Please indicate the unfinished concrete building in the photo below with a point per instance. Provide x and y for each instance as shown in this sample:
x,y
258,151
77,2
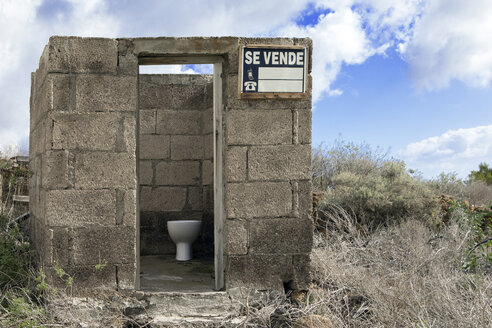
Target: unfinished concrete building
x,y
117,154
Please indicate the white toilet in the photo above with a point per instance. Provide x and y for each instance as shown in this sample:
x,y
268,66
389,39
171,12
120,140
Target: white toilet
x,y
184,233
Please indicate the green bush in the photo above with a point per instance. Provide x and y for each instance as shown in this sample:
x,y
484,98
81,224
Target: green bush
x,y
14,255
384,195
378,190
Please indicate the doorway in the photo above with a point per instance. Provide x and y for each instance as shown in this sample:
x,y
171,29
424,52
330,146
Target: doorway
x,y
179,165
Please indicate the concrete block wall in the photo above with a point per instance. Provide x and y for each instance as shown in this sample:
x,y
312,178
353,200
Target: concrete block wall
x,y
83,151
83,155
175,158
268,184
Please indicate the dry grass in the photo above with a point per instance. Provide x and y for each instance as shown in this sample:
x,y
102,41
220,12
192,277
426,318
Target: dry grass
x,y
401,276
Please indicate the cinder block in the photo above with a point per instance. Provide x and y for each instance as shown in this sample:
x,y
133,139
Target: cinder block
x,y
258,199
56,170
85,278
177,173
147,121
259,127
208,146
301,267
127,60
146,173
208,198
178,122
195,198
281,162
174,92
60,247
186,147
261,272
128,141
126,276
235,164
52,95
162,198
305,199
81,55
37,139
281,236
99,93
154,146
74,208
207,172
236,237
304,126
99,245
208,121
95,170
96,131
130,208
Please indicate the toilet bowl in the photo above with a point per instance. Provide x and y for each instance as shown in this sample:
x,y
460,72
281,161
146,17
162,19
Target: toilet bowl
x,y
184,233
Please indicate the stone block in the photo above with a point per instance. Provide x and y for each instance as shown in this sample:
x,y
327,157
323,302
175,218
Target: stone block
x,y
81,55
96,170
208,198
195,198
258,199
52,95
207,172
130,208
162,198
60,247
186,147
305,199
154,146
301,267
37,139
74,208
261,272
174,92
85,278
281,162
235,164
147,121
208,146
99,245
127,60
96,131
99,93
208,121
281,236
259,127
177,173
126,276
178,122
236,239
128,141
304,126
57,170
146,173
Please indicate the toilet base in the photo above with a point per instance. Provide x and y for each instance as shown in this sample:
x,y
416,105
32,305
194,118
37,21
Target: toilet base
x,y
183,252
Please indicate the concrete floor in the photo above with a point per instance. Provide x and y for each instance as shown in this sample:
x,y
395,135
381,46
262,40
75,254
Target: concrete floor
x,y
164,274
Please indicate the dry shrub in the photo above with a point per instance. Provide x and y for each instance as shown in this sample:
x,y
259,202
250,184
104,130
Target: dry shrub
x,y
383,196
398,276
475,192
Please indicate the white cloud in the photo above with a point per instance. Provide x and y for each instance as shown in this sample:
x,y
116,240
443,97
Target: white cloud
x,y
451,40
455,150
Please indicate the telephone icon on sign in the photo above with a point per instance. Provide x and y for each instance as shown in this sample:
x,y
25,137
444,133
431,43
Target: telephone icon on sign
x,y
250,86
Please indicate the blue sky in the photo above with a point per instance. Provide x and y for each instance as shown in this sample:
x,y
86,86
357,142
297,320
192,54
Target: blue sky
x,y
412,76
